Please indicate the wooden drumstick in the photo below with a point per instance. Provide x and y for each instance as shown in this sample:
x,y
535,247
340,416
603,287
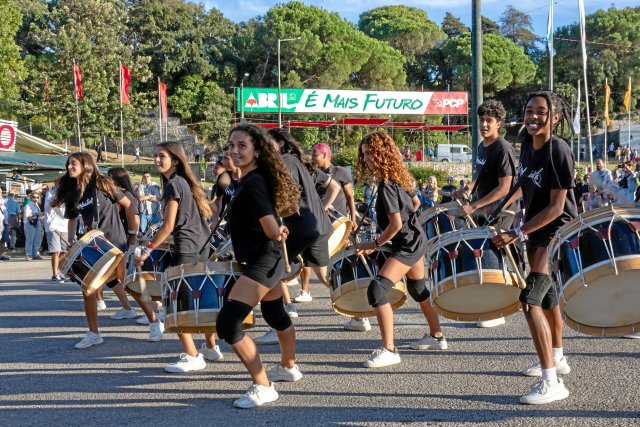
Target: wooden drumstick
x,y
287,266
64,239
468,217
521,282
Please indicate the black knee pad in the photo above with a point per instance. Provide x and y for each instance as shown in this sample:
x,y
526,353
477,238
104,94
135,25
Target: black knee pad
x,y
417,289
229,323
275,315
378,290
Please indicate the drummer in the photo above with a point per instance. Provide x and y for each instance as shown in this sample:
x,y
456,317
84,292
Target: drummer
x,y
496,165
344,203
378,156
546,172
86,192
185,212
266,191
226,185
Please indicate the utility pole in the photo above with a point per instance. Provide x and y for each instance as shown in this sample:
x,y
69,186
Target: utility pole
x,y
476,79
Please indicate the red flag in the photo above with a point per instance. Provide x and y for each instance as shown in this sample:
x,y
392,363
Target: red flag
x,y
77,82
162,88
125,80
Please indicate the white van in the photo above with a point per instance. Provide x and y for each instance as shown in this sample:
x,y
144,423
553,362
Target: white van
x,y
453,153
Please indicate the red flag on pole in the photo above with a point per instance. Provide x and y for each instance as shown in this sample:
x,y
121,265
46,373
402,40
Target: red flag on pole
x,y
77,82
124,85
162,88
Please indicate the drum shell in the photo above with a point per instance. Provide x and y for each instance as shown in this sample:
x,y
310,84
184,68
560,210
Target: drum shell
x,y
195,309
91,261
152,272
460,290
349,280
599,293
441,219
342,227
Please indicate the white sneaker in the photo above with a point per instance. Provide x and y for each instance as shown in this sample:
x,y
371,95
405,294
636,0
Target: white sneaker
x,y
155,331
303,297
490,323
634,336
101,305
144,320
90,339
382,357
562,368
280,373
124,314
270,337
256,395
361,325
212,354
545,391
291,310
293,282
186,363
427,342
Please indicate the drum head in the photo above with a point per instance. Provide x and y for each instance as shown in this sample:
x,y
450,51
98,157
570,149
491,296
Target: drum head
x,y
351,298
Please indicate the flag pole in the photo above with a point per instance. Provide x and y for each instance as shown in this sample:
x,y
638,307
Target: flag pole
x,y
75,93
121,118
159,111
629,119
550,44
583,38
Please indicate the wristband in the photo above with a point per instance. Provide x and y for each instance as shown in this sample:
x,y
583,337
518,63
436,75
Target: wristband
x,y
520,234
376,242
152,246
133,232
146,250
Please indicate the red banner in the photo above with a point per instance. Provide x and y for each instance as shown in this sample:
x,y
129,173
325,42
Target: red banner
x,y
77,82
125,80
162,89
447,103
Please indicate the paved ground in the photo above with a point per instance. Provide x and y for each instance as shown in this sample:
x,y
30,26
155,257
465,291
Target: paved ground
x,y
45,381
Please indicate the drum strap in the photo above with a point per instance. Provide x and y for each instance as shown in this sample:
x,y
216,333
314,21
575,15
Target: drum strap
x,y
96,209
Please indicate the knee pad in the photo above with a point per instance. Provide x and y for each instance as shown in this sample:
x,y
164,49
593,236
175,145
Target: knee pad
x,y
378,290
229,323
275,315
417,289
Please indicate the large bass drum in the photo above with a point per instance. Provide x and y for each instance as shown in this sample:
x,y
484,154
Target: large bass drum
x,y
595,259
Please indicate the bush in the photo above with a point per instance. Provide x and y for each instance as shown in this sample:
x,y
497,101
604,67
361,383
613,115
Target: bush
x,y
347,156
422,174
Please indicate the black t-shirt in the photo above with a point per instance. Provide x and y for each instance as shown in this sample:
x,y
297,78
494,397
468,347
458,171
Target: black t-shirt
x,y
448,189
123,213
495,161
253,200
106,216
225,189
321,181
343,177
190,231
392,198
311,220
543,174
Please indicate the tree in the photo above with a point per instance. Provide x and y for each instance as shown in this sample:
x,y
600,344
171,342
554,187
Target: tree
x,y
489,26
453,27
331,52
12,69
517,27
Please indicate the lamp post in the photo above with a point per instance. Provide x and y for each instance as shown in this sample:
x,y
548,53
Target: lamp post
x,y
242,97
279,86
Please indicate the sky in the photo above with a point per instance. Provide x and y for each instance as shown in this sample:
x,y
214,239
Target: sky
x,y
565,11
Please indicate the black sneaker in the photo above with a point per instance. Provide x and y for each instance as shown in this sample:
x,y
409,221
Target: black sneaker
x,y
57,278
4,258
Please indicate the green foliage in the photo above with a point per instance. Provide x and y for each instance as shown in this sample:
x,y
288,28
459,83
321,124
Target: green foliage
x,y
347,156
489,26
453,27
12,69
516,26
422,174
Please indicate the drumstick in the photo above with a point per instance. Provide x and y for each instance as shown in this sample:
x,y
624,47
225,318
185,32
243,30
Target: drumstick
x,y
521,282
64,239
356,239
472,223
287,266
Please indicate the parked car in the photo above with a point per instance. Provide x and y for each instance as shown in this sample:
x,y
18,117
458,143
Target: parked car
x,y
453,153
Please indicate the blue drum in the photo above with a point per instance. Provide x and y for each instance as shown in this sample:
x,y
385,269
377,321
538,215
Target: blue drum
x,y
148,280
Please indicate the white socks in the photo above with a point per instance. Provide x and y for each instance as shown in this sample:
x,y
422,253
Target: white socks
x,y
550,375
557,353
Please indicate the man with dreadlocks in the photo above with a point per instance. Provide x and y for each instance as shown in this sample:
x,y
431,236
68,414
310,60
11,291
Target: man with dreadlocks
x,y
546,178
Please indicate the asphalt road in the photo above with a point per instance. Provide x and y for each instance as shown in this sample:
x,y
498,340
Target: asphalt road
x,y
45,381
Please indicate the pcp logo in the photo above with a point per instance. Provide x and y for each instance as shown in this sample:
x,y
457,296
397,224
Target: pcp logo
x,y
448,103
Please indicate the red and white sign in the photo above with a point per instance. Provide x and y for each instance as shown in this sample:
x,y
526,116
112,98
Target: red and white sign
x,y
8,135
447,103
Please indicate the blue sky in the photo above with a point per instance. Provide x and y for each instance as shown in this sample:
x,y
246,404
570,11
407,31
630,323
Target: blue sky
x,y
566,11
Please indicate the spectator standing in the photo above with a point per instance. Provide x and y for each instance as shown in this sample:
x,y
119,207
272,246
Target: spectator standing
x,y
612,150
54,223
138,153
13,214
149,196
4,228
447,191
430,192
32,217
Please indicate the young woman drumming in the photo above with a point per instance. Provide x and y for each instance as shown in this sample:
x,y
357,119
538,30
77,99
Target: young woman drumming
x,y
378,157
185,212
266,190
86,192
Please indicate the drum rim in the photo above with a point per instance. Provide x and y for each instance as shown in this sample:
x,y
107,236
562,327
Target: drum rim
x,y
440,208
345,237
452,237
98,281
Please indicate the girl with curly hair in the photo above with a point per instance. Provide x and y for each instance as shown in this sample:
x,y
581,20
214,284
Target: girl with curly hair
x,y
378,156
266,190
185,213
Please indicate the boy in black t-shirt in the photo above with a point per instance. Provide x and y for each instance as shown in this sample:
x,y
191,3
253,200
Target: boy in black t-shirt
x,y
546,176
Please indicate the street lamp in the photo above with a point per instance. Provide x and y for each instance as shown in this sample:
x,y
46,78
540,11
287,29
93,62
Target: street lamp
x,y
279,86
242,97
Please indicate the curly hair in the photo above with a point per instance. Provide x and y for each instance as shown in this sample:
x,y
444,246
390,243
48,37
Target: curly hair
x,y
387,164
492,108
90,174
286,192
176,152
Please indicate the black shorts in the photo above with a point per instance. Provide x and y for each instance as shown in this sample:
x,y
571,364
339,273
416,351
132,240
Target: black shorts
x,y
188,258
538,240
314,251
267,269
410,258
545,296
